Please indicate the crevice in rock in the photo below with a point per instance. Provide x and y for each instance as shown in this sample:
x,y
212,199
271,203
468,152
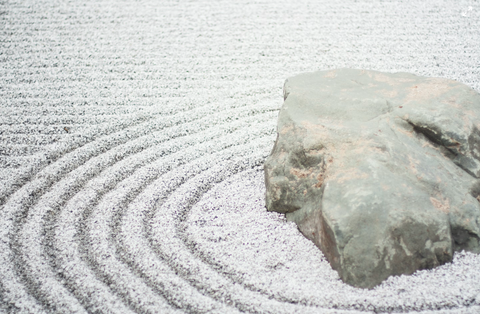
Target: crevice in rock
x,y
435,138
285,90
327,243
462,237
475,190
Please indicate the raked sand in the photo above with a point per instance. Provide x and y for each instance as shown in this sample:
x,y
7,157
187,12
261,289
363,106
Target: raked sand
x,y
133,135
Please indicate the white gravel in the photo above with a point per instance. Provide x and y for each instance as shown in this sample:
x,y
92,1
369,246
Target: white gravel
x,y
133,135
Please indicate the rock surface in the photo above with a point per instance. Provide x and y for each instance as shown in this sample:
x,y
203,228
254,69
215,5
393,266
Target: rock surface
x,y
379,170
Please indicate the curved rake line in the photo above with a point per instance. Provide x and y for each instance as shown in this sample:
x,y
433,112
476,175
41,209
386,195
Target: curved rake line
x,y
69,217
51,199
131,188
158,154
57,170
130,258
77,277
102,255
161,188
26,195
30,260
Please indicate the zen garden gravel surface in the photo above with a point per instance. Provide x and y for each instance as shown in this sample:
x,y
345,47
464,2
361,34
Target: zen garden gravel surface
x,y
133,135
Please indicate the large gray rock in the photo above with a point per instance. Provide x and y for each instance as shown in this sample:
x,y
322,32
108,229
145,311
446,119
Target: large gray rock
x,y
379,170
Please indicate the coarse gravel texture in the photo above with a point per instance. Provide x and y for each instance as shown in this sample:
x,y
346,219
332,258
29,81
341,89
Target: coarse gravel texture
x,y
133,135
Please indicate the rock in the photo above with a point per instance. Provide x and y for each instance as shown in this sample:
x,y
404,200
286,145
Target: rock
x,y
381,171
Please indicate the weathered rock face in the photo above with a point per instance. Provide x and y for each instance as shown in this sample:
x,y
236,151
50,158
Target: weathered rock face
x,y
381,171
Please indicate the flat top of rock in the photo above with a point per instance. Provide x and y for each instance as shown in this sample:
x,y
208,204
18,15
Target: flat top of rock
x,y
361,95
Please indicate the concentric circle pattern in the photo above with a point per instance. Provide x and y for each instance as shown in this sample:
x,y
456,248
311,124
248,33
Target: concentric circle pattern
x,y
132,140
